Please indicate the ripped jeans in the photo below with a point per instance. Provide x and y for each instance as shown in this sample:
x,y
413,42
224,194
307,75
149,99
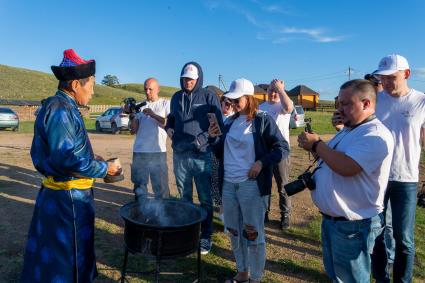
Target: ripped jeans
x,y
244,210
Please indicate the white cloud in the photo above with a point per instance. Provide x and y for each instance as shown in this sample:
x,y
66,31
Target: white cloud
x,y
316,34
274,9
278,34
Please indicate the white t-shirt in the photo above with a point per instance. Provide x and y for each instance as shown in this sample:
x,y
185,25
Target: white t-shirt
x,y
239,151
404,117
281,118
360,196
151,137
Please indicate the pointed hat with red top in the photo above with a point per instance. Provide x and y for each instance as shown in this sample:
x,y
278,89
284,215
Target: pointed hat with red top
x,y
73,67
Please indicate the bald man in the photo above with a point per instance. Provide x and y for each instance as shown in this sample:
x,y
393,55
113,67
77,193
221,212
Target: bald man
x,y
149,150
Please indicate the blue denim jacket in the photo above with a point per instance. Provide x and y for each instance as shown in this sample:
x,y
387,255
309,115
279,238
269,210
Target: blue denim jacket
x,y
270,147
61,147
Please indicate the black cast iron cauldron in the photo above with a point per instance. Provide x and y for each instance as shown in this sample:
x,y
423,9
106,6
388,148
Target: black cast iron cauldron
x,y
165,228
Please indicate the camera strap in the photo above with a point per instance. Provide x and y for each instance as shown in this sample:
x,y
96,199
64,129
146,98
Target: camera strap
x,y
348,131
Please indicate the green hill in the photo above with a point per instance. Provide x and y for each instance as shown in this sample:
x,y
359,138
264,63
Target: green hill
x,y
23,84
165,91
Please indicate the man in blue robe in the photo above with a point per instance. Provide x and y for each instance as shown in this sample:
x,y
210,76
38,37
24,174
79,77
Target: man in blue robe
x,y
60,246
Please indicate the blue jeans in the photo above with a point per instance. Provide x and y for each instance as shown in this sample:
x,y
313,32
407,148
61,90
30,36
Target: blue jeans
x,y
245,207
347,246
190,166
388,234
153,165
402,196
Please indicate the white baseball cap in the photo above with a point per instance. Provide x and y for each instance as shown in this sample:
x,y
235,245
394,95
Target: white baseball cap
x,y
191,72
240,87
391,64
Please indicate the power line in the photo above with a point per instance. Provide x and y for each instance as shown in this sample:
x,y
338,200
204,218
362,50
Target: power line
x,y
316,76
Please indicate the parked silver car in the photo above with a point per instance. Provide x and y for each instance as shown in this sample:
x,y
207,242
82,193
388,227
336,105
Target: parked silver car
x,y
297,117
8,119
113,120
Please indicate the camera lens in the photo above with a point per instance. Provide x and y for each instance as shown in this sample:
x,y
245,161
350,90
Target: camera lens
x,y
294,187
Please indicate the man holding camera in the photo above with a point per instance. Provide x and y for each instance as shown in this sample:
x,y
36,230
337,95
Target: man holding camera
x,y
280,106
349,183
187,126
149,149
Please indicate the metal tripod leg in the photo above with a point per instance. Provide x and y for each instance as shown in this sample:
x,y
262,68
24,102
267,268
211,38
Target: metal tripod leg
x,y
158,258
199,263
124,267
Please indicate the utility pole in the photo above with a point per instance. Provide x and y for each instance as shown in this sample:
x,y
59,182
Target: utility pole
x,y
349,73
221,82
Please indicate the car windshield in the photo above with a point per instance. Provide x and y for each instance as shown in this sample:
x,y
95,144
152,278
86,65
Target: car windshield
x,y
6,110
299,109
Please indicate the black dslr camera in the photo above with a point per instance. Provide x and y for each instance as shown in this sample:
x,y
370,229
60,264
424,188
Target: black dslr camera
x,y
305,180
131,107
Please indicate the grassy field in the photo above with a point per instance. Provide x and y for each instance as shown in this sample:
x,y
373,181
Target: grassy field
x,y
165,91
219,262
320,124
23,84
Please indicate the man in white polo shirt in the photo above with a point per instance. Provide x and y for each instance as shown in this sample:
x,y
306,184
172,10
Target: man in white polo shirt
x,y
351,179
402,110
280,106
149,150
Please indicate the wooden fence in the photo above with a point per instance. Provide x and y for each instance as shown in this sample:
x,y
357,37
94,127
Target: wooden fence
x,y
325,107
100,108
26,112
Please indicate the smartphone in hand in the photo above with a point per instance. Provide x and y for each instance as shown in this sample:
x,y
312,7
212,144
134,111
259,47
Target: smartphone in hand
x,y
213,119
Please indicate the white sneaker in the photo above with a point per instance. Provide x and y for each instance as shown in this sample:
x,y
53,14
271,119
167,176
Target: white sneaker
x,y
205,245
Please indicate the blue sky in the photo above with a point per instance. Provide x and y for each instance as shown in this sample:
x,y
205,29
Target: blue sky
x,y
301,42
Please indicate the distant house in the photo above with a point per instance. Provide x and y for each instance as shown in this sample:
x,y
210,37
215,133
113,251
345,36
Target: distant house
x,y
305,96
260,93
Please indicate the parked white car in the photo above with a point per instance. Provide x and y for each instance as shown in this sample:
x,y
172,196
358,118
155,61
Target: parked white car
x,y
8,119
113,120
297,117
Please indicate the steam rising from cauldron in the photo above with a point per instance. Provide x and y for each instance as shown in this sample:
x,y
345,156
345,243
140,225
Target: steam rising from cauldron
x,y
153,212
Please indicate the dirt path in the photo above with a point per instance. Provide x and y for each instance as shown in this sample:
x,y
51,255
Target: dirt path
x,y
19,183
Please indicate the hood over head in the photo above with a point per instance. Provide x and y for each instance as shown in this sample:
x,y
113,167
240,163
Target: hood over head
x,y
200,80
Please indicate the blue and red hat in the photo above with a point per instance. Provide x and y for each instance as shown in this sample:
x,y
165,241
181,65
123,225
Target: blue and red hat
x,y
73,67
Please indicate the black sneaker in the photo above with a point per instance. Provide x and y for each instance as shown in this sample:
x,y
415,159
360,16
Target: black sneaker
x,y
284,222
205,245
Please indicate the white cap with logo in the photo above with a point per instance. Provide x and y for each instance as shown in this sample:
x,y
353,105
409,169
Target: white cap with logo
x,y
240,87
391,64
191,72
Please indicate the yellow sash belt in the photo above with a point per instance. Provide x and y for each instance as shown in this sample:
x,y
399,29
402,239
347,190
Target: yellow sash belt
x,y
80,184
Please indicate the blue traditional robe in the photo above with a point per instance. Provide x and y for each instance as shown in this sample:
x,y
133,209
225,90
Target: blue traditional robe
x,y
60,246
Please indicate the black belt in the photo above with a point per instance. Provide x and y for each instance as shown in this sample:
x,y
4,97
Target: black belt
x,y
334,218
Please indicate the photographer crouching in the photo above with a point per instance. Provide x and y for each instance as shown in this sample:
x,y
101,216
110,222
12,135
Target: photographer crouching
x,y
349,183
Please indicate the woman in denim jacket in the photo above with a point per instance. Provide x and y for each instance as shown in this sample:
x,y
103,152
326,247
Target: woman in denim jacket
x,y
249,146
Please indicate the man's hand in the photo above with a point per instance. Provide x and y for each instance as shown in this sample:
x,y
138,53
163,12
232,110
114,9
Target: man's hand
x,y
170,133
278,85
98,158
114,167
255,169
213,130
126,109
337,121
148,112
306,140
